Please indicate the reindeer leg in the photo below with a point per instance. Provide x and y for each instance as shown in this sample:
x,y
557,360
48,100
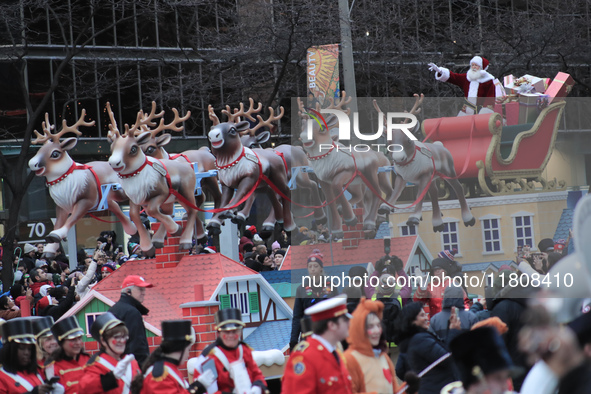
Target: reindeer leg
x,y
50,250
467,216
160,234
244,213
186,241
145,242
215,223
437,217
416,216
128,226
340,180
371,203
271,219
336,222
303,180
210,185
78,211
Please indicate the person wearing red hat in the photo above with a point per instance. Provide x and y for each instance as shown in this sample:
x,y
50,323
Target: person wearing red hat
x,y
478,85
314,365
129,309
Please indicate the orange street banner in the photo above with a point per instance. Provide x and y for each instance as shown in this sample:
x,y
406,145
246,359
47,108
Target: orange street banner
x,y
323,73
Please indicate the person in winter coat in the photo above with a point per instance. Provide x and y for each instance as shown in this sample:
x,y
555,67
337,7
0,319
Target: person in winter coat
x,y
309,295
109,371
394,266
129,309
58,301
452,297
508,306
8,310
366,358
68,361
419,348
431,294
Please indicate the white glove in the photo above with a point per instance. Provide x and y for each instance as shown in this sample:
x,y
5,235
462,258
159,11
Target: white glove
x,y
433,67
57,388
256,390
207,378
424,282
122,365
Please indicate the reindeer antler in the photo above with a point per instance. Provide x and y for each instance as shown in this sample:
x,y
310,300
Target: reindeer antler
x,y
232,117
47,127
302,110
113,129
266,122
147,121
212,116
343,101
416,108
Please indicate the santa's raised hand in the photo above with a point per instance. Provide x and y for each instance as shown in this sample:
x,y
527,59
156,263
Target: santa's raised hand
x,y
433,67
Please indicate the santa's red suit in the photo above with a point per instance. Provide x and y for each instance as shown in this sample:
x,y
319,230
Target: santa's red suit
x,y
479,93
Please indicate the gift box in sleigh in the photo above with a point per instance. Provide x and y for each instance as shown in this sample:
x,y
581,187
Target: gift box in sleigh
x,y
492,159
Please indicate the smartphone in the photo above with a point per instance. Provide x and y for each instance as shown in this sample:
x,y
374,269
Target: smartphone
x,y
210,365
454,311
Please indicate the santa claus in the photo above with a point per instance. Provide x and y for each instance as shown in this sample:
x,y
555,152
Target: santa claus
x,y
478,85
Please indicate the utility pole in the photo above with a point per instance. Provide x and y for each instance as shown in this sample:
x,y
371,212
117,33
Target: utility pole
x,y
347,50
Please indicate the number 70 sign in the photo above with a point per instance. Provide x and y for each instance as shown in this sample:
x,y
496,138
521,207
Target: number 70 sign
x,y
35,231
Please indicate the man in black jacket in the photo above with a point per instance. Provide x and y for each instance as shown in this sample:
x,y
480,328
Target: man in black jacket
x,y
129,309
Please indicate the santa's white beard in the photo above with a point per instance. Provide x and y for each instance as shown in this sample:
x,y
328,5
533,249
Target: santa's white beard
x,y
474,75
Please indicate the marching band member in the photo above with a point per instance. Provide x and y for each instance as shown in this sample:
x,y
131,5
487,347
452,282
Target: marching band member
x,y
232,360
19,371
68,361
110,371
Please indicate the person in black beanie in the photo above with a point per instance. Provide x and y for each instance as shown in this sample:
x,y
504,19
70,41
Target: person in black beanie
x,y
312,293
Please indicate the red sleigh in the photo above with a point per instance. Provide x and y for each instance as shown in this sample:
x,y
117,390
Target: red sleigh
x,y
499,160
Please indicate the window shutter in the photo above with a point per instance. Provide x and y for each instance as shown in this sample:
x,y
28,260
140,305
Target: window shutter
x,y
225,301
253,300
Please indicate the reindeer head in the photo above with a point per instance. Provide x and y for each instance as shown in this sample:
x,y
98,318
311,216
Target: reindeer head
x,y
154,146
126,154
52,160
324,128
256,136
233,131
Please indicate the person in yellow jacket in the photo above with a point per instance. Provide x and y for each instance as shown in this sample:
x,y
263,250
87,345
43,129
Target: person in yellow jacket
x,y
366,357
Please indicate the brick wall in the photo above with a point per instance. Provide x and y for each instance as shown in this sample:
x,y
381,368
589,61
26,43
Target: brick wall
x,y
201,314
354,234
169,256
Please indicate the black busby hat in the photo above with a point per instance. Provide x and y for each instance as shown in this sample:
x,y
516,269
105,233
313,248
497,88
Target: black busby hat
x,y
19,330
479,352
67,328
228,319
306,326
41,326
104,322
177,331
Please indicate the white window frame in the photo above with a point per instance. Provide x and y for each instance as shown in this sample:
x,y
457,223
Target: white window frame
x,y
402,225
240,299
523,214
490,217
86,315
457,232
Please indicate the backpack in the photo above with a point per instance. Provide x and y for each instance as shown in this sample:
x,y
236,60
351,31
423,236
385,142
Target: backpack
x,y
392,308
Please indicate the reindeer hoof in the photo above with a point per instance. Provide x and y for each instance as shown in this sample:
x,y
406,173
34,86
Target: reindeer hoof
x,y
385,209
203,240
351,222
178,232
238,220
158,245
321,220
149,253
52,237
185,246
226,215
412,221
48,255
369,234
213,229
266,232
438,229
470,222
